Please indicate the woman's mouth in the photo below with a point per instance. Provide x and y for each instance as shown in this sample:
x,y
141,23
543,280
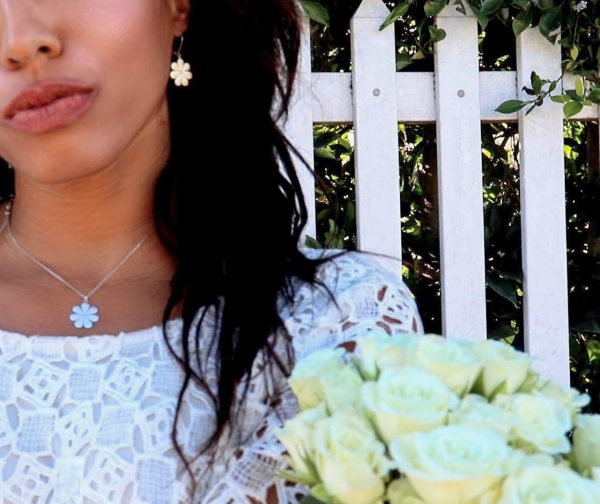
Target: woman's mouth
x,y
48,106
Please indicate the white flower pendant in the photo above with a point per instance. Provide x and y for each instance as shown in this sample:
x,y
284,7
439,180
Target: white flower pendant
x,y
84,315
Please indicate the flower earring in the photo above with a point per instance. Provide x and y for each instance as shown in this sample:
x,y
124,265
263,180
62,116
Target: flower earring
x,y
180,70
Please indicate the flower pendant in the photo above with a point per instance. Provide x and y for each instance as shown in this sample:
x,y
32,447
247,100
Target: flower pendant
x,y
84,315
180,72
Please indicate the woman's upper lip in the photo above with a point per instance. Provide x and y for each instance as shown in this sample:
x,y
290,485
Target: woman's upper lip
x,y
43,93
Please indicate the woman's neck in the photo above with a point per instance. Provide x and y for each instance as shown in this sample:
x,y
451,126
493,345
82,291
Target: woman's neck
x,y
83,228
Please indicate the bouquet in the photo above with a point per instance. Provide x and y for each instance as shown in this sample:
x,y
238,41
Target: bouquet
x,y
412,419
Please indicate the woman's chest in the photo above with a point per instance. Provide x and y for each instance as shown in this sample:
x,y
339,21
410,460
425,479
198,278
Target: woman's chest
x,y
90,421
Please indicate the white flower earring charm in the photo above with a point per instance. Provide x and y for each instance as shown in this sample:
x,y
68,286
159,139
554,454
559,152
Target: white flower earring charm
x,y
180,70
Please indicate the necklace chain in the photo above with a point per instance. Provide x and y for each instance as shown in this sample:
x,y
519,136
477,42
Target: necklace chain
x,y
6,224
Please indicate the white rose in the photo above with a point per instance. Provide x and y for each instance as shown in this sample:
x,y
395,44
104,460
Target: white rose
x,y
586,443
455,464
350,460
539,423
543,484
452,361
406,400
341,387
400,491
570,397
505,369
378,350
305,380
297,436
477,411
531,383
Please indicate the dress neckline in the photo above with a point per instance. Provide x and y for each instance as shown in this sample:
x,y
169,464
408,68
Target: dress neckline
x,y
151,330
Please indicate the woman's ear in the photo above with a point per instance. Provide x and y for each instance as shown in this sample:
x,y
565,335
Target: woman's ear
x,y
180,11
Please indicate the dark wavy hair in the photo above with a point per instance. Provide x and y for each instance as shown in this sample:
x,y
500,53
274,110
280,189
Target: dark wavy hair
x,y
233,224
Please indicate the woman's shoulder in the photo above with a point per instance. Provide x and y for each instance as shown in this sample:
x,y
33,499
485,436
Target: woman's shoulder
x,y
347,268
356,292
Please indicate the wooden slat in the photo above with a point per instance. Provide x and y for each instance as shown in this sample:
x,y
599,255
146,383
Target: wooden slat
x,y
299,127
332,97
415,97
415,100
376,131
460,177
543,215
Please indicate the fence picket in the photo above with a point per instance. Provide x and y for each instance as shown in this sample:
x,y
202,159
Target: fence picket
x,y
460,176
376,161
299,127
543,221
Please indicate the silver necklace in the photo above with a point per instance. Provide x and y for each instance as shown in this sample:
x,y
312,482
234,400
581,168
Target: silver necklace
x,y
83,315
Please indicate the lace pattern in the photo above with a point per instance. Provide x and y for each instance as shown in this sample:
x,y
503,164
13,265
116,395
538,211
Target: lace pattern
x,y
88,420
370,297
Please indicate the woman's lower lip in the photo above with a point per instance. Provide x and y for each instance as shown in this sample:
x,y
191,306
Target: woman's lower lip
x,y
54,115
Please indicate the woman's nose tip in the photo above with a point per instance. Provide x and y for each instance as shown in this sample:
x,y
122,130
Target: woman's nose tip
x,y
24,49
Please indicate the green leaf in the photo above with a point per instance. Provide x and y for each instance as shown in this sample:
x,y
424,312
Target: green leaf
x,y
324,153
572,108
511,275
436,34
546,4
350,216
594,95
510,106
399,11
316,11
550,20
310,242
574,53
521,4
403,61
489,7
579,86
522,21
482,19
433,7
536,83
593,347
560,99
501,331
503,288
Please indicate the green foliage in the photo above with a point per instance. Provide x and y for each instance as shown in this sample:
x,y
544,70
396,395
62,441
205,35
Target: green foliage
x,y
316,11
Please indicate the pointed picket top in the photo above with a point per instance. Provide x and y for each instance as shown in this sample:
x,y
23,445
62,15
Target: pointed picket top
x,y
372,9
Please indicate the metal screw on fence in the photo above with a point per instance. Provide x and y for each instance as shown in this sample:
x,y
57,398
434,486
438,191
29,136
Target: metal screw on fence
x,y
461,93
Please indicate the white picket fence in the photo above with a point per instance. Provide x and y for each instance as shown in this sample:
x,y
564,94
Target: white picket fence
x,y
457,97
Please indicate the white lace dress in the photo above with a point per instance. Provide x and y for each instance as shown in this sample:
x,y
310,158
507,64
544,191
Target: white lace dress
x,y
87,420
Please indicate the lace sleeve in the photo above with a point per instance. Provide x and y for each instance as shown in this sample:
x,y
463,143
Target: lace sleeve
x,y
370,297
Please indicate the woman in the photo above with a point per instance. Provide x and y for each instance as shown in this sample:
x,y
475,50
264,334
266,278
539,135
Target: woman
x,y
146,328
